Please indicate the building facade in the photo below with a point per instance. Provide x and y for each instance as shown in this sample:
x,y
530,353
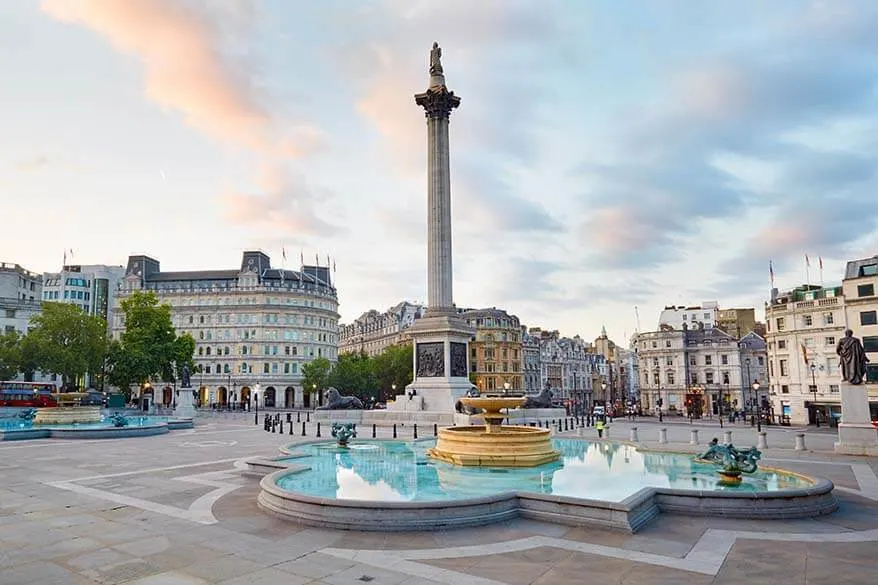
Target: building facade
x,y
496,353
20,293
701,371
373,332
859,288
530,348
569,366
92,288
737,322
803,327
706,315
254,326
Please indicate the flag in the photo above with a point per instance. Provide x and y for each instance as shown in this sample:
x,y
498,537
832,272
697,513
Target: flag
x,y
807,261
333,265
771,272
284,253
301,258
820,259
805,353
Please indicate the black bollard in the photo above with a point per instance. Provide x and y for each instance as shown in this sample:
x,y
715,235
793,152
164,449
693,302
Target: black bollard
x,y
415,435
291,427
281,429
298,416
565,425
308,416
559,426
273,427
318,430
289,417
303,429
394,430
373,430
435,430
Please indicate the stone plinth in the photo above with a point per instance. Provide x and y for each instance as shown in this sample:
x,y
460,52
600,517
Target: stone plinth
x,y
185,407
441,360
68,415
856,435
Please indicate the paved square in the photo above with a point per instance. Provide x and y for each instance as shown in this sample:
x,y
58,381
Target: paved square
x,y
174,510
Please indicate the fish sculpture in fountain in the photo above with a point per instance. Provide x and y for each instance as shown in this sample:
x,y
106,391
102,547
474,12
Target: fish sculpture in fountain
x,y
731,458
118,420
28,414
343,432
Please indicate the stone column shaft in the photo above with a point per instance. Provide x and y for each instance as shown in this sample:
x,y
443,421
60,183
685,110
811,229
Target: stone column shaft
x,y
439,275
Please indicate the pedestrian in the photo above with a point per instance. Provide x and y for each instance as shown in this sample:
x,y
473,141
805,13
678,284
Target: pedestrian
x,y
599,426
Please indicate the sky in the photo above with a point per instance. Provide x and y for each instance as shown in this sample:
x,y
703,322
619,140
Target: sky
x,y
606,155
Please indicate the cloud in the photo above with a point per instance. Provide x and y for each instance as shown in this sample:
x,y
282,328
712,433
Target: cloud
x,y
287,205
34,163
664,179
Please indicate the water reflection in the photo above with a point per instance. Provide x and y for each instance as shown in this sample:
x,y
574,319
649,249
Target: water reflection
x,y
395,471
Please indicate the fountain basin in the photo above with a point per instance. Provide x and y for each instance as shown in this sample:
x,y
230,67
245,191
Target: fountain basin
x,y
68,415
508,447
13,429
395,486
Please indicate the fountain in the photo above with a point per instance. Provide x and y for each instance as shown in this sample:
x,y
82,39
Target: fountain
x,y
733,461
343,432
494,444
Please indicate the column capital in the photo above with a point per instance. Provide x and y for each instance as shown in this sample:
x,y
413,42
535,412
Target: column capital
x,y
437,102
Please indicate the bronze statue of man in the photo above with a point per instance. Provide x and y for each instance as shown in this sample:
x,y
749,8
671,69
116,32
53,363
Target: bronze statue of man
x,y
852,357
435,60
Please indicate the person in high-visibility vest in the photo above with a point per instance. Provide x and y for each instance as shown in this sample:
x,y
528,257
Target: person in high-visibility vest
x,y
599,426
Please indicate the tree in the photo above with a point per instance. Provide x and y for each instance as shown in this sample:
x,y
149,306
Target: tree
x,y
10,354
393,366
149,348
353,375
67,341
315,374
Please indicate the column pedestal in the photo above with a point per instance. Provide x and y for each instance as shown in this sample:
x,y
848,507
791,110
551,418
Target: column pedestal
x,y
856,435
185,404
441,363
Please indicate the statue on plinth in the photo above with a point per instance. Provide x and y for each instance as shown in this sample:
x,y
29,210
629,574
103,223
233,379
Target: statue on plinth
x,y
335,401
541,400
852,358
184,377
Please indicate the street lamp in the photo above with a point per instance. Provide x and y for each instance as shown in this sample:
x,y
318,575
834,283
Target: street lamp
x,y
813,367
314,393
256,402
393,387
758,407
506,386
720,407
604,393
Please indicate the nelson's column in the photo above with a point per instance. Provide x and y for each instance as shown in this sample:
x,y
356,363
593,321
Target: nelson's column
x,y
441,338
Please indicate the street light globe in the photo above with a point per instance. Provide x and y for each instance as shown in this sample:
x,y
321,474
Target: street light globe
x,y
256,390
603,385
813,366
756,385
506,385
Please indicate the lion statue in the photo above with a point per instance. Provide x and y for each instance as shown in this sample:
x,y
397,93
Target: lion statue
x,y
541,400
463,409
335,401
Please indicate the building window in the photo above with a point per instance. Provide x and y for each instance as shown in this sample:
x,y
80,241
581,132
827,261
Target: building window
x,y
807,320
725,377
667,343
655,362
760,360
708,377
784,389
872,372
708,360
724,359
265,369
868,318
670,377
781,343
781,325
693,378
669,361
866,290
829,341
870,343
828,319
655,379
783,368
692,361
833,388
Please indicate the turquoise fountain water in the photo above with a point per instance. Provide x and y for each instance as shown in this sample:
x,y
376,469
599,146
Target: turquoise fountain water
x,y
398,471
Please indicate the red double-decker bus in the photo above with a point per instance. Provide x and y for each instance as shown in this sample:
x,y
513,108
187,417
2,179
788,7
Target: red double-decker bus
x,y
33,394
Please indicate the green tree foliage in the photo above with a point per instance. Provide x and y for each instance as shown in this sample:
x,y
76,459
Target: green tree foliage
x,y
10,355
150,347
315,374
353,374
393,366
67,341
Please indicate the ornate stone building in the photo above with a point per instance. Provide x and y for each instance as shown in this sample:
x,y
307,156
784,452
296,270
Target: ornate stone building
x,y
373,332
496,353
530,347
254,326
20,293
571,368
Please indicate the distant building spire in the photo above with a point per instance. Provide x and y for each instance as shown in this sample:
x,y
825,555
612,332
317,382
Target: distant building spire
x,y
603,330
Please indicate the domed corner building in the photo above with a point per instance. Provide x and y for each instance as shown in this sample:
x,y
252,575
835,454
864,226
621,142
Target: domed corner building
x,y
253,324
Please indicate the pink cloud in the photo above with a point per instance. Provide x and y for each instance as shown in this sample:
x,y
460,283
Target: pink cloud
x,y
179,49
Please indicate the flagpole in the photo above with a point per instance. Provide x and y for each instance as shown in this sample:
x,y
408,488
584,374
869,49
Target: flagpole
x,y
821,272
807,271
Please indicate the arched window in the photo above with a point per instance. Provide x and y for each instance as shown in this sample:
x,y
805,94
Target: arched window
x,y
208,351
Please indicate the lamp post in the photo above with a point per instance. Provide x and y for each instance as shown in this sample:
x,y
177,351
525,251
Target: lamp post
x,y
604,394
146,388
256,403
314,393
758,407
393,387
813,367
750,401
720,407
506,386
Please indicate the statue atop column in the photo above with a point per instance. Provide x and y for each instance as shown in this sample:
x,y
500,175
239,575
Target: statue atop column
x,y
852,357
436,60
